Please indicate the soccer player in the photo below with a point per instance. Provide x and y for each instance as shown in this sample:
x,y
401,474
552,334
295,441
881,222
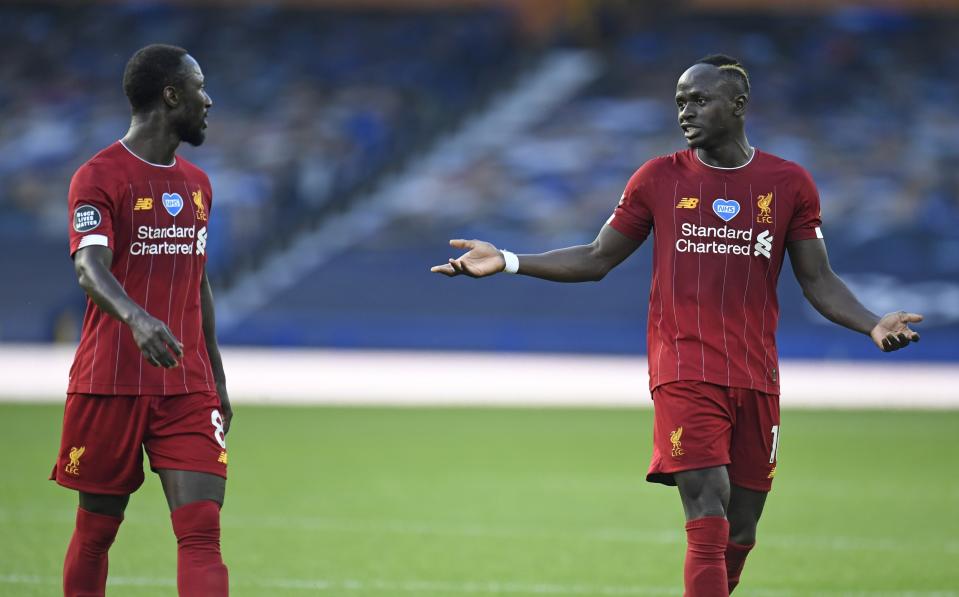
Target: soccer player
x,y
147,373
723,214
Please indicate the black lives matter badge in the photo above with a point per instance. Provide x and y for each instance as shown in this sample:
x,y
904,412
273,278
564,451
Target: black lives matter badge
x,y
86,218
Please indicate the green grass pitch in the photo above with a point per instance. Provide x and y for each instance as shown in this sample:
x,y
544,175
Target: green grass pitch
x,y
515,502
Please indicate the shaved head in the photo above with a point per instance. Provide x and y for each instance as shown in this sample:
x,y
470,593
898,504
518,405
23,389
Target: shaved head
x,y
708,76
711,96
730,68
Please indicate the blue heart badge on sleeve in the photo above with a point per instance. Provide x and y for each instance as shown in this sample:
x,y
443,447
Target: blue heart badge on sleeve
x,y
173,203
726,208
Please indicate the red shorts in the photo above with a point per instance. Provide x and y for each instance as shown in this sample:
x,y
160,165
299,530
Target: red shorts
x,y
100,448
701,425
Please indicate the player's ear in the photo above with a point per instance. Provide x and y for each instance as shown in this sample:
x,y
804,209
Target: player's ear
x,y
170,96
739,104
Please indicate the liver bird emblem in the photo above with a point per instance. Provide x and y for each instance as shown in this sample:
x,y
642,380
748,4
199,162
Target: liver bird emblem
x,y
73,467
198,201
674,438
763,204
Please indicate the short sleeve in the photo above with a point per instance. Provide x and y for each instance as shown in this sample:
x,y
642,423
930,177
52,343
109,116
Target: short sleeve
x,y
91,210
807,215
633,217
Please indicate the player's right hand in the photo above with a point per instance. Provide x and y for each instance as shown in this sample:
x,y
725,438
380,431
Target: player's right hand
x,y
155,340
482,259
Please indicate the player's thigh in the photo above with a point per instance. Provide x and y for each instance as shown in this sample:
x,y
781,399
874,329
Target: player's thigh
x,y
100,446
185,434
755,440
185,487
704,492
108,505
692,425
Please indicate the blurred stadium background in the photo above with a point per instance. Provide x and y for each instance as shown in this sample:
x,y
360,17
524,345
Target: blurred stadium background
x,y
349,140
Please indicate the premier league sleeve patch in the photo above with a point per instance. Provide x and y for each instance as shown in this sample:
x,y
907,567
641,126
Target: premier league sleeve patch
x,y
86,218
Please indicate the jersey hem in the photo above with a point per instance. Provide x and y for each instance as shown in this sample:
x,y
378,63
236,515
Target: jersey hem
x,y
133,391
771,388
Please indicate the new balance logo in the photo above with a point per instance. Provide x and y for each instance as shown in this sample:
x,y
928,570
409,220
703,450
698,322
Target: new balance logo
x,y
688,203
143,204
201,241
764,244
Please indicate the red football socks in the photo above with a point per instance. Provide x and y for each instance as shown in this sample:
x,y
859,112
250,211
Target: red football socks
x,y
85,567
200,568
735,559
705,570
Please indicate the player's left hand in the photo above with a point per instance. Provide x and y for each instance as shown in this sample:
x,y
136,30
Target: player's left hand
x,y
892,332
225,409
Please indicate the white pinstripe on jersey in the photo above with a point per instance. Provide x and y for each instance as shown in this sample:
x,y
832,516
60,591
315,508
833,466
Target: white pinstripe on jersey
x,y
699,275
146,295
762,336
722,300
749,269
673,288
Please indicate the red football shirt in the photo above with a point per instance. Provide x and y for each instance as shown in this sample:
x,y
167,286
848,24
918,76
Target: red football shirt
x,y
720,236
155,219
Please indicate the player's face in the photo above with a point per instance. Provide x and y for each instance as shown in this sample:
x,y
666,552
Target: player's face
x,y
707,106
194,104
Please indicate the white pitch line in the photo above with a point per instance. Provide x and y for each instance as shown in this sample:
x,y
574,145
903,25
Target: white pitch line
x,y
487,587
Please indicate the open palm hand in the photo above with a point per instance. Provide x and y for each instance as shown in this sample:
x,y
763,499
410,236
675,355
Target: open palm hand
x,y
892,332
482,259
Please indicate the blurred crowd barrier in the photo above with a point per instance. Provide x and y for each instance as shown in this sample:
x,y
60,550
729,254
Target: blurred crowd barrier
x,y
405,378
313,108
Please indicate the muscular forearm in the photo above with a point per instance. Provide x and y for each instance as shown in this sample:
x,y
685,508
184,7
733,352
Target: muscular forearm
x,y
572,264
105,291
833,299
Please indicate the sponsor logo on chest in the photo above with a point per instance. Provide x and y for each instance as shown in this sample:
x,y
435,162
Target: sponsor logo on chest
x,y
152,239
725,239
169,240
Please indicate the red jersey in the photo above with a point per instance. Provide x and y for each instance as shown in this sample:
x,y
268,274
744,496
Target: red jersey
x,y
155,220
720,236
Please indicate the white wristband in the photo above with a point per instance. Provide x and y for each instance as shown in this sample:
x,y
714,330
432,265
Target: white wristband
x,y
512,262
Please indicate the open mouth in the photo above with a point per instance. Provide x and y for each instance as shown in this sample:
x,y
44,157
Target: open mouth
x,y
690,131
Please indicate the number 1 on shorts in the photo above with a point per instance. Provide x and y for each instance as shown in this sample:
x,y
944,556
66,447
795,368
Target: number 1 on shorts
x,y
772,455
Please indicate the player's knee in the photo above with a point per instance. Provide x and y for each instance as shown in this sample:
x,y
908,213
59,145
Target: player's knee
x,y
742,532
704,505
197,526
704,501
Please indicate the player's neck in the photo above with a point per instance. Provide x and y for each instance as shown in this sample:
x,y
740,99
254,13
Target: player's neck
x,y
152,140
734,154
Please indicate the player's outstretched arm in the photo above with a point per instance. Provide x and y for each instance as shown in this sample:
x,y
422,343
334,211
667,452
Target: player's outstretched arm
x,y
213,350
582,263
155,340
833,299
